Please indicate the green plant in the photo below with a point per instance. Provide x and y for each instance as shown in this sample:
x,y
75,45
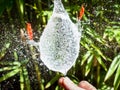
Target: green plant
x,y
10,69
114,68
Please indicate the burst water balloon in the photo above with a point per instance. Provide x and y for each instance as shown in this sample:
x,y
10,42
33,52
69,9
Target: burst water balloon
x,y
60,41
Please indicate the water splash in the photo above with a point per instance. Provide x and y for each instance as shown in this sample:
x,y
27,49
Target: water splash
x,y
59,43
59,47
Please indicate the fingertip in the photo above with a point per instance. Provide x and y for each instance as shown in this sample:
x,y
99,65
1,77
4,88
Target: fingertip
x,y
60,81
86,85
83,83
67,84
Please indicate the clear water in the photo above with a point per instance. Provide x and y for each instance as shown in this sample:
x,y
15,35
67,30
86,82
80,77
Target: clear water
x,y
59,44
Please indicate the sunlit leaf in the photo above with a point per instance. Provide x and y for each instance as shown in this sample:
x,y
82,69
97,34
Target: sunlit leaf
x,y
26,78
98,51
4,50
22,86
8,68
101,62
113,67
89,64
84,58
9,74
20,4
84,44
57,88
52,81
10,63
15,56
96,36
117,78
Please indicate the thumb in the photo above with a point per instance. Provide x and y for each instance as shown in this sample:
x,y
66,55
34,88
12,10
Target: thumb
x,y
67,84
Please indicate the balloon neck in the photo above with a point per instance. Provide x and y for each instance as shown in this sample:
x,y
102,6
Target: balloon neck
x,y
58,7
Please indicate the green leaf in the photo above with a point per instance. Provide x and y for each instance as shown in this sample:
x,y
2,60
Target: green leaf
x,y
98,51
8,68
85,45
20,4
22,85
84,58
97,37
113,67
89,64
4,50
15,56
52,81
9,74
10,63
101,62
117,78
26,78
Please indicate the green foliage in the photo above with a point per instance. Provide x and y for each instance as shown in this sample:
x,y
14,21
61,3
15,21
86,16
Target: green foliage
x,y
5,4
13,68
99,58
3,50
53,80
115,66
113,33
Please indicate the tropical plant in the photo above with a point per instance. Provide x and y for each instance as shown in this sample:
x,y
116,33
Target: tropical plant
x,y
99,58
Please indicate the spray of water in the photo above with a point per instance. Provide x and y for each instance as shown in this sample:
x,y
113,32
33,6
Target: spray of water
x,y
59,42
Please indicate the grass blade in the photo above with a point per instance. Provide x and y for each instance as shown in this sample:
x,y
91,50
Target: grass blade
x,y
9,74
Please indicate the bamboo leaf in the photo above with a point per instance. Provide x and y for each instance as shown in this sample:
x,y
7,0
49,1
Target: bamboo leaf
x,y
8,68
89,64
52,81
117,78
15,56
85,45
9,74
99,51
4,50
84,58
10,63
26,78
97,37
20,4
22,85
113,67
101,62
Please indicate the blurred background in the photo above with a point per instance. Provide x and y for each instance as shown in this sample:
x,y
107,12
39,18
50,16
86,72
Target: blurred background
x,y
99,58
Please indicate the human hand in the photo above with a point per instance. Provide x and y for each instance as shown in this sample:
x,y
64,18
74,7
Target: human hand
x,y
67,84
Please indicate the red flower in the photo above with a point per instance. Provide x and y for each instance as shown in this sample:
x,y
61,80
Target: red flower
x,y
81,12
29,31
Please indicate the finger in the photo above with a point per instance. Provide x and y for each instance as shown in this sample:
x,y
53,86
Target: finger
x,y
86,85
66,83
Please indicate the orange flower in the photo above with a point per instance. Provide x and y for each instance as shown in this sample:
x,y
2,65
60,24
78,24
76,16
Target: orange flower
x,y
29,31
81,12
